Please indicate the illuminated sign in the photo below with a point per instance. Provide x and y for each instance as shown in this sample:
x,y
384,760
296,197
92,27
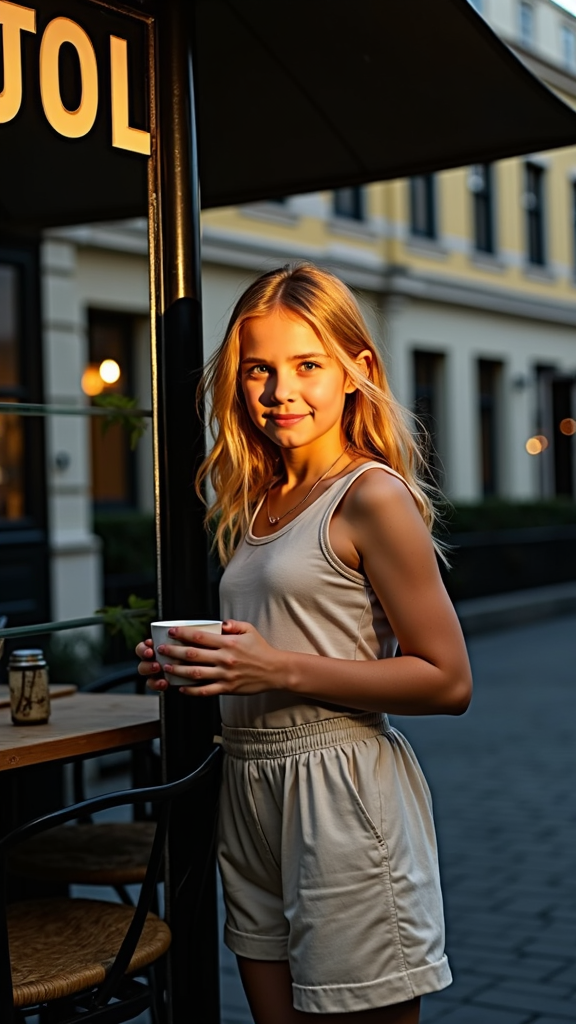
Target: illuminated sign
x,y
77,122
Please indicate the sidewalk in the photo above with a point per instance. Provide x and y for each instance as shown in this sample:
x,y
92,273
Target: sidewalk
x,y
503,784
501,611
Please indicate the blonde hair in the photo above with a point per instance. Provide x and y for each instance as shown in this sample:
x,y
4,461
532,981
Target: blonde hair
x,y
243,462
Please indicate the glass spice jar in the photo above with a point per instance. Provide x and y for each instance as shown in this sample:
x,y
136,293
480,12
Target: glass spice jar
x,y
28,682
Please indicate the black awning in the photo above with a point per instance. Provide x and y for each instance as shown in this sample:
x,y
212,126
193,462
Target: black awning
x,y
318,94
292,97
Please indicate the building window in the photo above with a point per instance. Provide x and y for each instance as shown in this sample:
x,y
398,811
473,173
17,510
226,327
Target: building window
x,y
481,182
12,489
349,203
563,413
568,47
534,206
22,468
423,205
573,193
428,369
526,24
556,426
109,371
24,581
489,377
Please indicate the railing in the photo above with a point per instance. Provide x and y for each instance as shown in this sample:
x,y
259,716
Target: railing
x,y
56,627
37,409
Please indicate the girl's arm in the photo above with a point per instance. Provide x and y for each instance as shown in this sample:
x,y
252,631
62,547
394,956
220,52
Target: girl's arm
x,y
382,522
379,519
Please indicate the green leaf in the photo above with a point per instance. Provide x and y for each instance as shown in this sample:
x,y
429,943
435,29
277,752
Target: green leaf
x,y
133,627
119,406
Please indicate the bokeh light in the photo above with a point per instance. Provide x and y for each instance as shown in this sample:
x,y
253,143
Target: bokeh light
x,y
568,426
537,444
109,371
92,383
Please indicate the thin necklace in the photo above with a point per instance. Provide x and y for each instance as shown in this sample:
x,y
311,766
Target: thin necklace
x,y
276,519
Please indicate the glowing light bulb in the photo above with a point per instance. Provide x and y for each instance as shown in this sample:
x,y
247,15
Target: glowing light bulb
x,y
109,371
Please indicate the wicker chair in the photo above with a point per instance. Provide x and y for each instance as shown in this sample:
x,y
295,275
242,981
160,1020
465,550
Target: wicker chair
x,y
107,853
70,959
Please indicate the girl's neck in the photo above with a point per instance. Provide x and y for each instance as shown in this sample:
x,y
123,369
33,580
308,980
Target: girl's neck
x,y
303,466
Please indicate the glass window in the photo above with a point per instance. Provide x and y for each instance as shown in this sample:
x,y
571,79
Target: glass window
x,y
9,375
526,24
109,372
489,376
12,503
481,183
573,191
349,202
568,47
11,467
478,4
534,206
423,205
428,371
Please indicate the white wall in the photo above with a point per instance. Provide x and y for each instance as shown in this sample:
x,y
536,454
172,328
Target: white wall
x,y
465,336
504,17
74,551
221,289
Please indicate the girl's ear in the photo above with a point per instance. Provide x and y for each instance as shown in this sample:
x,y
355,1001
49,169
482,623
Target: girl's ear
x,y
364,364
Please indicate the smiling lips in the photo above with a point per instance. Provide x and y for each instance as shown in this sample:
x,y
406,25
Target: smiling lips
x,y
288,420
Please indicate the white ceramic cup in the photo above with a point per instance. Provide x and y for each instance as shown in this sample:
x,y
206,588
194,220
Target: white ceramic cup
x,y
160,636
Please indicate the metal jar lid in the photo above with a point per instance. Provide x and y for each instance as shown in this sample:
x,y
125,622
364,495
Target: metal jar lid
x,y
24,658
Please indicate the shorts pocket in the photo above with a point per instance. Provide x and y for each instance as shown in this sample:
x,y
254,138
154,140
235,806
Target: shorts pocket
x,y
257,824
362,777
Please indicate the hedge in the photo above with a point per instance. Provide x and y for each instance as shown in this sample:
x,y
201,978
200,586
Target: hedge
x,y
495,514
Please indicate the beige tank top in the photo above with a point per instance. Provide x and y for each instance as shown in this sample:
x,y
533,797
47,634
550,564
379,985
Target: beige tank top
x,y
301,597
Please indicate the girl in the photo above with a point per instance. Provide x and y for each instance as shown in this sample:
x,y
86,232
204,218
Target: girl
x,y
327,847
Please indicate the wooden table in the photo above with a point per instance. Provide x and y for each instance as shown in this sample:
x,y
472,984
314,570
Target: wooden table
x,y
80,725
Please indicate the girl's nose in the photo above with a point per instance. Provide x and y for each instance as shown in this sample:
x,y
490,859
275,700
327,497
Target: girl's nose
x,y
283,390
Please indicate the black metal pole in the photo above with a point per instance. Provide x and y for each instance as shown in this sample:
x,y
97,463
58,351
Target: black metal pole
x,y
177,359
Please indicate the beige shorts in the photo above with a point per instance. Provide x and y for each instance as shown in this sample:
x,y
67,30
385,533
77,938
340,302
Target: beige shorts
x,y
328,859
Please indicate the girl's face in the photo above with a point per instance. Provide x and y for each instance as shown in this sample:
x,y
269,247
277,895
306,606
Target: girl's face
x,y
294,390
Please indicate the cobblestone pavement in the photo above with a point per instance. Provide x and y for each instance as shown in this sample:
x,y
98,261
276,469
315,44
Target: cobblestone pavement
x,y
503,784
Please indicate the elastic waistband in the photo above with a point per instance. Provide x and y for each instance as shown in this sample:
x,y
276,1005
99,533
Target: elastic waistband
x,y
254,744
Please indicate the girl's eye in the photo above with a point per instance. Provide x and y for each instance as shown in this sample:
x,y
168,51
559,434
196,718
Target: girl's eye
x,y
309,366
258,370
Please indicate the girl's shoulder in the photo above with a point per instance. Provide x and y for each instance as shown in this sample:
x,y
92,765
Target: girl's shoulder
x,y
378,511
377,485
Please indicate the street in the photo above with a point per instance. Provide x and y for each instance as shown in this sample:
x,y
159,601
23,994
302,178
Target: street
x,y
502,778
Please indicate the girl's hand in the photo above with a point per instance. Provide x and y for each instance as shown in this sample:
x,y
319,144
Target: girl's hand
x,y
239,661
149,666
